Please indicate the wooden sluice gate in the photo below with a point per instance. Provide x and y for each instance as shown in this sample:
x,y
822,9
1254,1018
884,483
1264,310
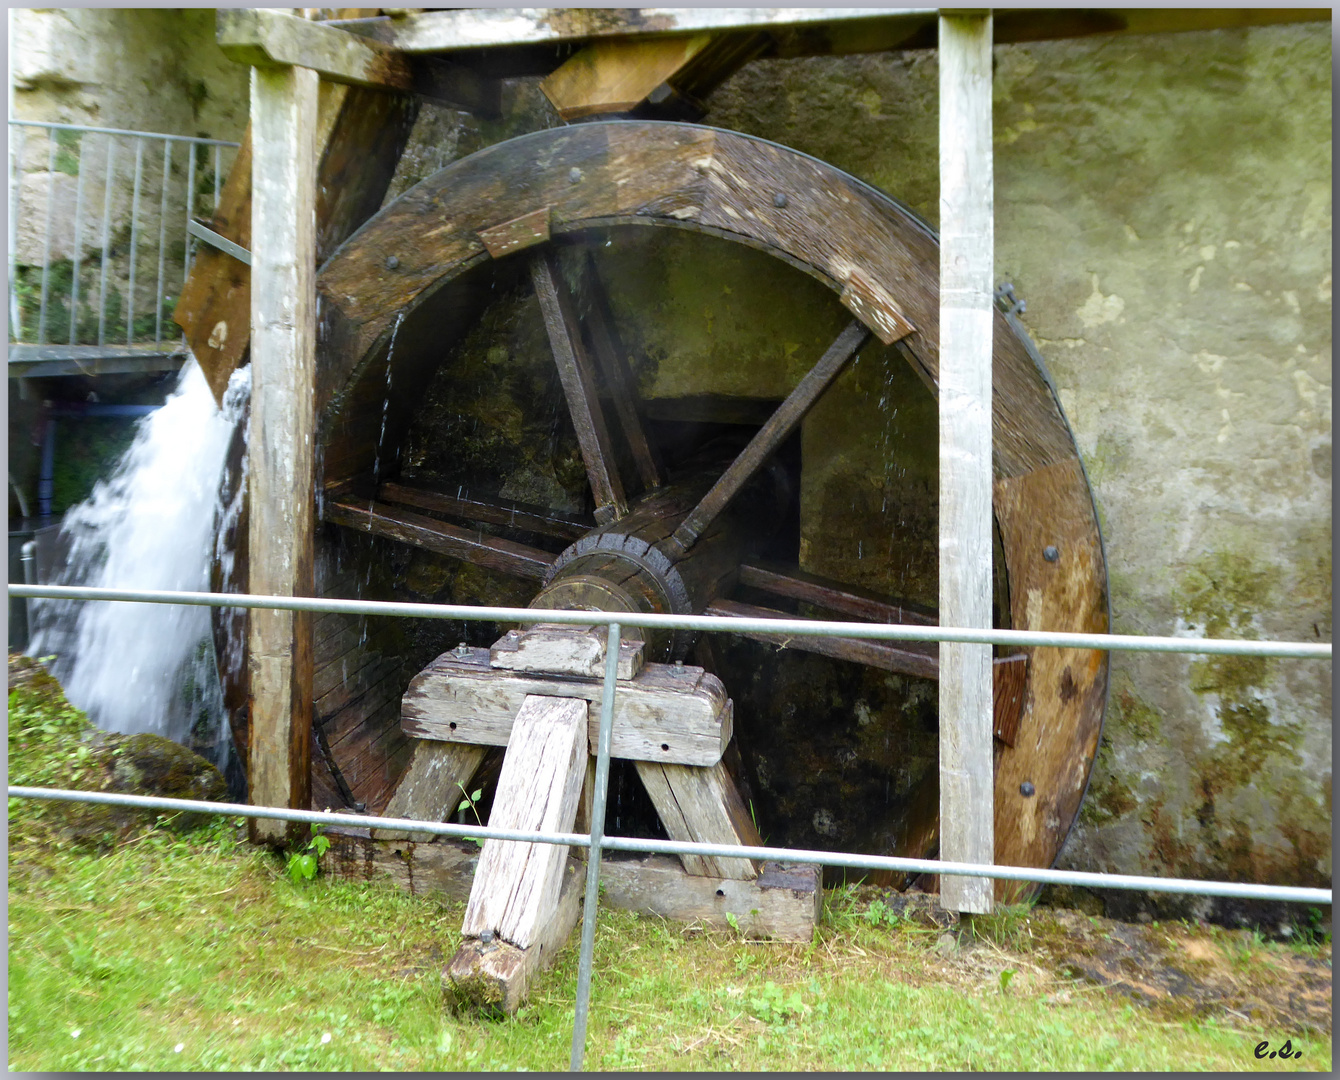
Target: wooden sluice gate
x,y
672,520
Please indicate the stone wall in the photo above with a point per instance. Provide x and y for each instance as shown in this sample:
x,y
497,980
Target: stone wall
x,y
1163,204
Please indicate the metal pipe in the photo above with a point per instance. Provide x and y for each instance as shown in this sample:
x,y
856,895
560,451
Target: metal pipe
x,y
216,179
78,244
592,902
120,131
106,238
1301,650
46,241
134,240
1238,890
162,241
190,211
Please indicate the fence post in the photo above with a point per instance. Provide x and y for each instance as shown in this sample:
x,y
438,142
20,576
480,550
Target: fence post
x,y
966,254
281,438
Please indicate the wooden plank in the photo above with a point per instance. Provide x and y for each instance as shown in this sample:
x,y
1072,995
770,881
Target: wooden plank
x,y
614,76
269,38
372,674
281,492
1009,681
516,887
966,309
522,232
495,977
799,31
833,595
1061,721
430,789
549,649
361,133
702,805
613,360
904,657
769,437
783,903
522,516
492,552
480,28
579,387
679,715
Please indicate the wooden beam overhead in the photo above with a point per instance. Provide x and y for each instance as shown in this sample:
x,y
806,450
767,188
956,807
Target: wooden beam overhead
x,y
478,28
265,38
799,31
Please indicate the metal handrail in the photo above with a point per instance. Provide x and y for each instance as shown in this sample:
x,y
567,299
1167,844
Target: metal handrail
x,y
596,841
1299,650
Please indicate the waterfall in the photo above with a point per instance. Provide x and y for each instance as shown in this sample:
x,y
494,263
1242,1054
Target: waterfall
x,y
151,525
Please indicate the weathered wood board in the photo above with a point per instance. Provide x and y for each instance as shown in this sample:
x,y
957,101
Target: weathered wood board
x,y
515,893
495,977
431,787
702,805
665,714
563,650
783,903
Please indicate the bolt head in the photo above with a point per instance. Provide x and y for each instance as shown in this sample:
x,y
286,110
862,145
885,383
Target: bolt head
x,y
1026,789
779,200
486,936
392,262
1051,553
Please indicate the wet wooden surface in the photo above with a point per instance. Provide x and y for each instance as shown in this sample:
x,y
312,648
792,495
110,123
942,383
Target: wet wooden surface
x,y
526,518
843,233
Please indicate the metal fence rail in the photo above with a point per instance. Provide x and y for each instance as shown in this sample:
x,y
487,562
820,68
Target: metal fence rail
x,y
596,842
96,214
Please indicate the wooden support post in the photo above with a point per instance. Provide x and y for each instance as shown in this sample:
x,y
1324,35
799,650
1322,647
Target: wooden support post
x,y
514,911
431,786
966,253
282,436
701,805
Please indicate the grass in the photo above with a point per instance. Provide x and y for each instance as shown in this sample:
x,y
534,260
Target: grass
x,y
154,949
197,952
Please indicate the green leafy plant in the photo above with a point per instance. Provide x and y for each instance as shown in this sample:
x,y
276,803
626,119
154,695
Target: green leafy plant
x,y
302,865
472,801
732,921
773,1005
1005,977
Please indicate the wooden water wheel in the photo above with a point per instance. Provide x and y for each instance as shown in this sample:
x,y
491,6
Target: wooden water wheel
x,y
671,527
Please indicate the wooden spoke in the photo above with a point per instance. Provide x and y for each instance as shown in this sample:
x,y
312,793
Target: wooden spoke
x,y
536,519
579,386
770,436
614,362
903,657
834,595
432,535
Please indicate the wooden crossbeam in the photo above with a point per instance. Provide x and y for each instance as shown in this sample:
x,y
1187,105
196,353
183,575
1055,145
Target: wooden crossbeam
x,y
268,38
491,552
833,595
800,31
512,515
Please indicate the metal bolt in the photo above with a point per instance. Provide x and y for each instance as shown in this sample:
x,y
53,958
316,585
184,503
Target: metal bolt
x,y
486,936
513,633
779,200
679,668
1026,789
1051,553
462,649
574,174
392,262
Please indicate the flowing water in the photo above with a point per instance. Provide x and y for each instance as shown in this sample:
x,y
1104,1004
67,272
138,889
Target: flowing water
x,y
151,525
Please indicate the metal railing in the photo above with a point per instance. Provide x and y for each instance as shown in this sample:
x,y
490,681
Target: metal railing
x,y
596,842
95,214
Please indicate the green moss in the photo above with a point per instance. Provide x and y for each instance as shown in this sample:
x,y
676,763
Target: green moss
x,y
1224,592
86,451
1108,798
